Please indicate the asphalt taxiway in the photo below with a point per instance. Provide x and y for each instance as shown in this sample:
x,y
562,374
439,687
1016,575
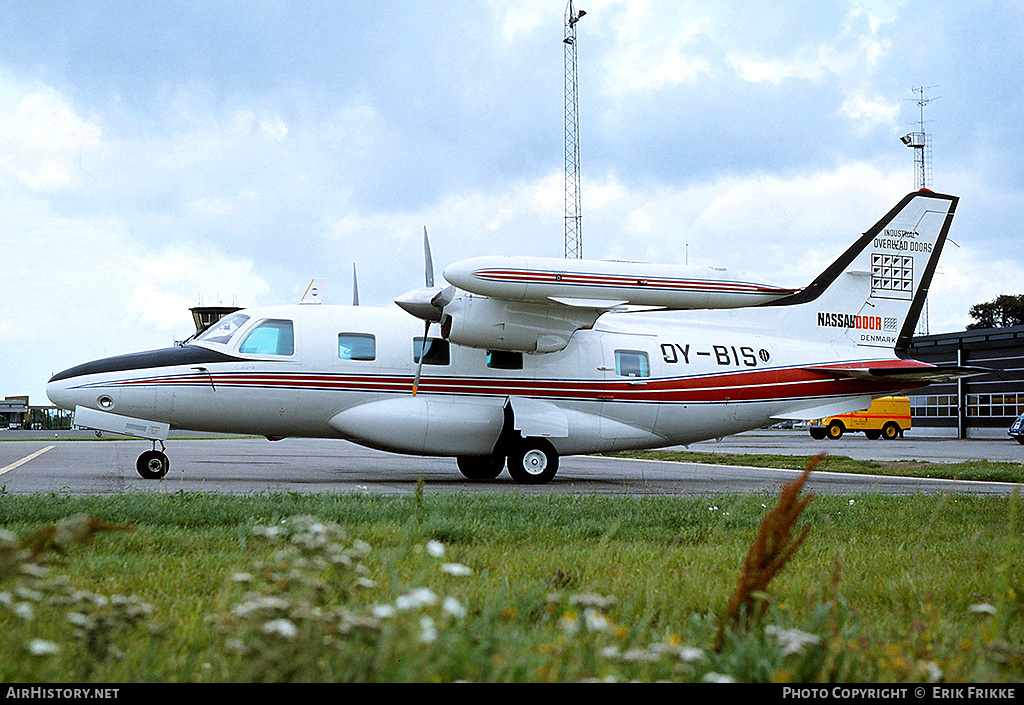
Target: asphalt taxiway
x,y
44,462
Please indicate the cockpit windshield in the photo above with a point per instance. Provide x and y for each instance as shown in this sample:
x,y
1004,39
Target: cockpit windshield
x,y
224,329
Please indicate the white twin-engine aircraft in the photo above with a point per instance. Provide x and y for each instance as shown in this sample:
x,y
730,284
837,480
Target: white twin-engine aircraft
x,y
528,359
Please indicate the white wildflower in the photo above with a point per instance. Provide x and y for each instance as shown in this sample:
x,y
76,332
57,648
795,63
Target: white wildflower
x,y
283,628
428,632
420,597
689,654
589,599
935,673
241,578
33,570
24,610
383,611
456,569
435,548
596,622
792,641
42,647
78,619
260,603
453,607
717,678
982,608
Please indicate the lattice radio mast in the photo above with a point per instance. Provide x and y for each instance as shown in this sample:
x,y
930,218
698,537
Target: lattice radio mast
x,y
573,212
921,143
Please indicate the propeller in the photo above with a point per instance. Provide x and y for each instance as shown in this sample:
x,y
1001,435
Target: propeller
x,y
427,302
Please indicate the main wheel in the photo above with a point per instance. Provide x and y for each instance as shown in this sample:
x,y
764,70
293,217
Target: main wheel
x,y
481,467
817,433
890,431
533,461
835,430
152,465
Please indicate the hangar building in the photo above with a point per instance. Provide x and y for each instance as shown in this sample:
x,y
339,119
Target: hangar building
x,y
972,407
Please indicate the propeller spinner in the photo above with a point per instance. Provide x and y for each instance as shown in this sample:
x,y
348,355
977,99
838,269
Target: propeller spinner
x,y
427,303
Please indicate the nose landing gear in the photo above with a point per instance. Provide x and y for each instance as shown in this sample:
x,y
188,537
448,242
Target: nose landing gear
x,y
153,464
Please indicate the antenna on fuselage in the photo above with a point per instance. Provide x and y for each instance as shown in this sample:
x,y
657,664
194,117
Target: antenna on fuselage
x,y
355,286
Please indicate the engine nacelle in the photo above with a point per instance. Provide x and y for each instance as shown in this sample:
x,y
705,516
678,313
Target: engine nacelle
x,y
513,326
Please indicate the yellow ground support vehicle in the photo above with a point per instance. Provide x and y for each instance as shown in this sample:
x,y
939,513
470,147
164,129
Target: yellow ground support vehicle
x,y
888,418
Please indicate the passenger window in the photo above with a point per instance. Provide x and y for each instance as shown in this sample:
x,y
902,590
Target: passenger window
x,y
632,363
222,330
438,352
270,338
502,360
357,346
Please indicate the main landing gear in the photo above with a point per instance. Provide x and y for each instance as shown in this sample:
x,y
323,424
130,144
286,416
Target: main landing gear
x,y
153,464
531,461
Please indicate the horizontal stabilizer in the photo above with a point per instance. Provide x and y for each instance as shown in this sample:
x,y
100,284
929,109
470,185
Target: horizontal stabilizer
x,y
916,373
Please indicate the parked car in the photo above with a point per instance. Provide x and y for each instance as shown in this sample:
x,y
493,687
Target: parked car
x,y
1016,431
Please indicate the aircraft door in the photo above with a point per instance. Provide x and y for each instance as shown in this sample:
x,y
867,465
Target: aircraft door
x,y
628,411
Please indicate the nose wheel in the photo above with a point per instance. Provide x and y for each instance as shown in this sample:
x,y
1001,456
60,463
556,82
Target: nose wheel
x,y
153,464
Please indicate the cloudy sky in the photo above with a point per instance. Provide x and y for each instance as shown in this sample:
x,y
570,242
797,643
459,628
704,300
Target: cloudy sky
x,y
157,156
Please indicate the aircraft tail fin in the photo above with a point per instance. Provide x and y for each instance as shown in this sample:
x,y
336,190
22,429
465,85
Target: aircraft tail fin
x,y
873,294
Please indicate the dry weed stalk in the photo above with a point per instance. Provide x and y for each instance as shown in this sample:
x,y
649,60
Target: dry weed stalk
x,y
771,549
77,529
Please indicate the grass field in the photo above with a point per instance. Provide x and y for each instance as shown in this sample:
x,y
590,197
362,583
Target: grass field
x,y
503,588
979,470
210,588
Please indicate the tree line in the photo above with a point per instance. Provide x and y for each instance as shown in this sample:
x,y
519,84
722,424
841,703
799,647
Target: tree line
x,y
1004,310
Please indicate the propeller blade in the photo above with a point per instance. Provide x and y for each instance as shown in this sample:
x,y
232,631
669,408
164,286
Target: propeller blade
x,y
423,354
428,301
429,262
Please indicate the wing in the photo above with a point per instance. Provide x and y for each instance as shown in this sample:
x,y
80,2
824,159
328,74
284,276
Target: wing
x,y
534,304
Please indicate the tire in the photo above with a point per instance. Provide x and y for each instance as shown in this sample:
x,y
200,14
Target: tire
x,y
818,434
533,461
152,465
1020,439
890,431
835,431
873,435
481,467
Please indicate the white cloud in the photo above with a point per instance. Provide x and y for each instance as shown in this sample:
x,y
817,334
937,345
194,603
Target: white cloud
x,y
852,53
41,137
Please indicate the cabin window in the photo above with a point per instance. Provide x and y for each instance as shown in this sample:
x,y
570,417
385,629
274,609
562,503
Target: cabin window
x,y
438,352
270,338
357,346
632,363
502,360
222,330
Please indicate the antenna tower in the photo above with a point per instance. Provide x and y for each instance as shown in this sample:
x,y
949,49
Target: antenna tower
x,y
921,143
573,213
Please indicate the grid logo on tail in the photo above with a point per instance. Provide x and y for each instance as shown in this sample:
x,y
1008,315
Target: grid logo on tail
x,y
892,276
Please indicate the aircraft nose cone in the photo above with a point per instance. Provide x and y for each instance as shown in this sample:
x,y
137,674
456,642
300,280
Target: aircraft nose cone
x,y
57,392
